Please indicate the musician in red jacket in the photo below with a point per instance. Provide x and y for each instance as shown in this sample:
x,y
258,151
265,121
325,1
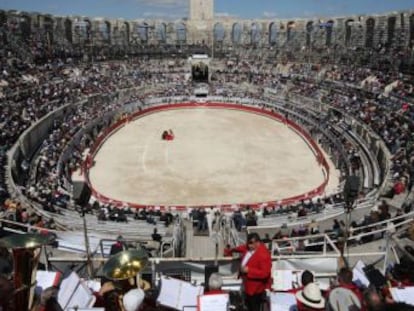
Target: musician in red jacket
x,y
255,270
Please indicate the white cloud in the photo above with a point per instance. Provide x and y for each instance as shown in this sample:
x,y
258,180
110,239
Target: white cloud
x,y
161,15
163,9
224,14
164,3
268,14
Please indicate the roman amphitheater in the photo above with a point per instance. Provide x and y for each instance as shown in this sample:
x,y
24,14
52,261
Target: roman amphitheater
x,y
176,140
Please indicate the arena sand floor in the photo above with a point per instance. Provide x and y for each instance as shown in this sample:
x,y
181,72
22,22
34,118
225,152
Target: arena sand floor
x,y
218,156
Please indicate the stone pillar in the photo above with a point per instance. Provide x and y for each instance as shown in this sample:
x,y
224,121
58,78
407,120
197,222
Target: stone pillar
x,y
201,10
200,31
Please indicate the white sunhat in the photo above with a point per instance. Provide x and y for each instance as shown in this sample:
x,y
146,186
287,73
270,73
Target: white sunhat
x,y
311,296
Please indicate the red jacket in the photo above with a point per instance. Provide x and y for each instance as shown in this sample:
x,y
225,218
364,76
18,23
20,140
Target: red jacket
x,y
258,277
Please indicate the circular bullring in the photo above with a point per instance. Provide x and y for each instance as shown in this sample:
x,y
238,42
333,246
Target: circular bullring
x,y
222,154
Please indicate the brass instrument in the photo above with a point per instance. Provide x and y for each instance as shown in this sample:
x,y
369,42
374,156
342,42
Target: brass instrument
x,y
123,270
26,252
125,265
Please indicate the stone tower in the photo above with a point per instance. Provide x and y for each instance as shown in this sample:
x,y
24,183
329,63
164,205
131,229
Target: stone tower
x,y
201,10
200,23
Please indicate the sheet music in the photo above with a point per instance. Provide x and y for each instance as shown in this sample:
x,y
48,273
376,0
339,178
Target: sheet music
x,y
67,288
95,286
82,297
176,293
169,293
189,294
74,293
359,274
282,302
218,302
405,294
282,280
46,279
324,284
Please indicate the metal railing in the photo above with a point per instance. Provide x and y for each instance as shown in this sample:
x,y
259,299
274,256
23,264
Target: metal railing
x,y
285,250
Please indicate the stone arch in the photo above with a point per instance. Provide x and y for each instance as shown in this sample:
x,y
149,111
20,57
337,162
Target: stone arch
x,y
82,30
309,33
25,25
291,31
104,29
3,17
162,32
143,33
88,29
369,32
411,30
348,31
329,29
218,32
126,31
116,34
255,33
236,33
273,33
391,24
181,30
107,31
68,30
48,24
171,33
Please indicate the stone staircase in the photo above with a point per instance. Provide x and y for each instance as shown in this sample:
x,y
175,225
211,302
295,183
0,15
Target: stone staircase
x,y
202,245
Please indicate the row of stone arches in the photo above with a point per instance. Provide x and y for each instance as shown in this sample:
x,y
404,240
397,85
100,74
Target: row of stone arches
x,y
313,29
84,29
129,32
256,34
21,24
384,38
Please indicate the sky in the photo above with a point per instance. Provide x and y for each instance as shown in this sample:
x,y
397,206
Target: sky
x,y
174,9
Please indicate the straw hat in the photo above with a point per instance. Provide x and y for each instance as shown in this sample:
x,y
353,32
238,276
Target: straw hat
x,y
311,296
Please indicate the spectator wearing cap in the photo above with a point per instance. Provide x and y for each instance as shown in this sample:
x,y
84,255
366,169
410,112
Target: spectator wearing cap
x,y
310,298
